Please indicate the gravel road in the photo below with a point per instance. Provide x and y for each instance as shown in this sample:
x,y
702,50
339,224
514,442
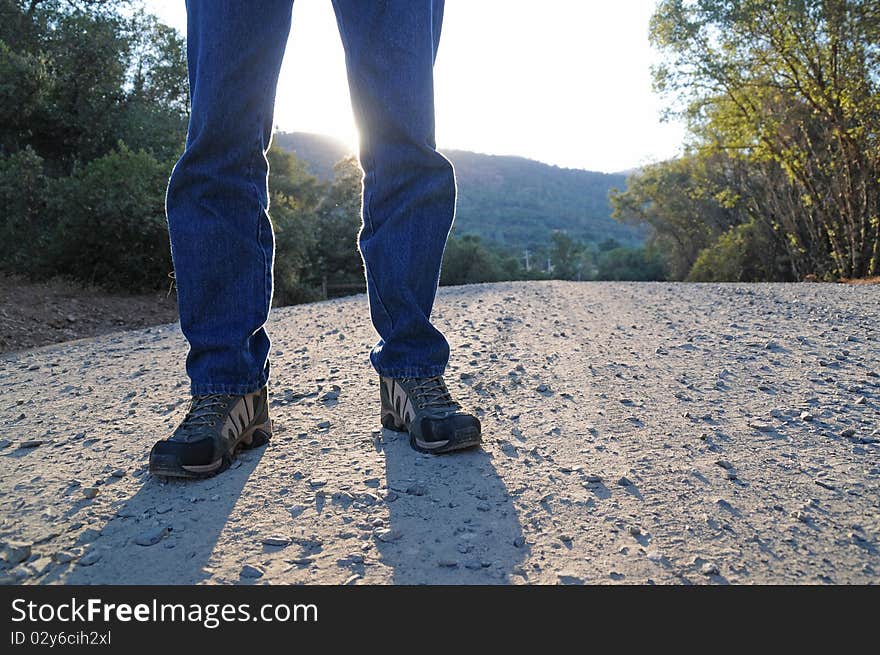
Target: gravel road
x,y
634,433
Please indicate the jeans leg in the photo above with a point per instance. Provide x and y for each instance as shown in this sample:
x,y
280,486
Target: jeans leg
x,y
222,243
409,188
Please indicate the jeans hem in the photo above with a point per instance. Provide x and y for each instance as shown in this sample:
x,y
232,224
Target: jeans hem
x,y
201,389
411,372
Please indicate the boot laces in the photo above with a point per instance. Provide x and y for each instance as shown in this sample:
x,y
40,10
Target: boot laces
x,y
431,393
203,411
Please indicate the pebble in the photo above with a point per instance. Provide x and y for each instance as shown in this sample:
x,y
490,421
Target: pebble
x,y
519,542
31,443
324,425
723,463
352,580
251,572
118,473
276,540
807,417
624,481
63,556
593,479
89,492
569,578
89,558
709,569
388,535
152,537
848,433
417,489
315,483
447,563
15,552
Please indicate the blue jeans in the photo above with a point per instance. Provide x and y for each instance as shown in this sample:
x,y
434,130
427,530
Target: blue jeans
x,y
217,204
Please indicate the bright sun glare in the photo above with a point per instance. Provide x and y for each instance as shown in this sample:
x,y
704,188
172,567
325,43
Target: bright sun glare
x,y
563,82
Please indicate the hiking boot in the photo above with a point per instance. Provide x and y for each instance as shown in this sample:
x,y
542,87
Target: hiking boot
x,y
424,407
214,429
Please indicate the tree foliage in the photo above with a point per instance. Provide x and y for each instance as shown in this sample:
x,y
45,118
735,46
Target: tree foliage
x,y
783,107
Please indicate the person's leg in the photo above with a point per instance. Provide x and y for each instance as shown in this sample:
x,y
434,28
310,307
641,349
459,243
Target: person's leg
x,y
221,238
409,188
408,210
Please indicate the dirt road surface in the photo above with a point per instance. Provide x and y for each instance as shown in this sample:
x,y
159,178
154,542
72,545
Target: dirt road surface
x,y
634,433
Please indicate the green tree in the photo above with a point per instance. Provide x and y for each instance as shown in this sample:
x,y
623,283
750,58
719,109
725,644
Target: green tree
x,y
789,89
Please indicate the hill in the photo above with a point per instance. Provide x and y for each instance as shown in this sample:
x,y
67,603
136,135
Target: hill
x,y
509,200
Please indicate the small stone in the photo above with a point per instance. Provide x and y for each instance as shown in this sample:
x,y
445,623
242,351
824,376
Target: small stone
x,y
709,569
447,563
324,425
848,433
388,535
152,537
89,492
807,417
825,485
861,400
519,542
251,572
315,483
624,481
416,489
762,427
15,552
542,388
63,556
635,531
593,479
473,564
730,475
391,496
484,507
723,463
654,555
331,395
276,540
118,473
352,580
31,443
89,558
569,578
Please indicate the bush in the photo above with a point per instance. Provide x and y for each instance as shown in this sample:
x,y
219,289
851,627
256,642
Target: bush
x,y
745,253
631,264
110,226
22,215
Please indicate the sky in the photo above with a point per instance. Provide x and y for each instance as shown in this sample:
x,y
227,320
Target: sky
x,y
566,82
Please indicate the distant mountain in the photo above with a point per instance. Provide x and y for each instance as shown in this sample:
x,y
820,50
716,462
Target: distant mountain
x,y
509,200
320,152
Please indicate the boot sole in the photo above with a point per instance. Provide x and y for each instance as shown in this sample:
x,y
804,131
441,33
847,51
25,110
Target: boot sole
x,y
168,466
463,439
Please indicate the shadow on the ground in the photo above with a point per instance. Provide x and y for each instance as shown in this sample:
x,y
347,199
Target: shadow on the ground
x,y
453,521
182,519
